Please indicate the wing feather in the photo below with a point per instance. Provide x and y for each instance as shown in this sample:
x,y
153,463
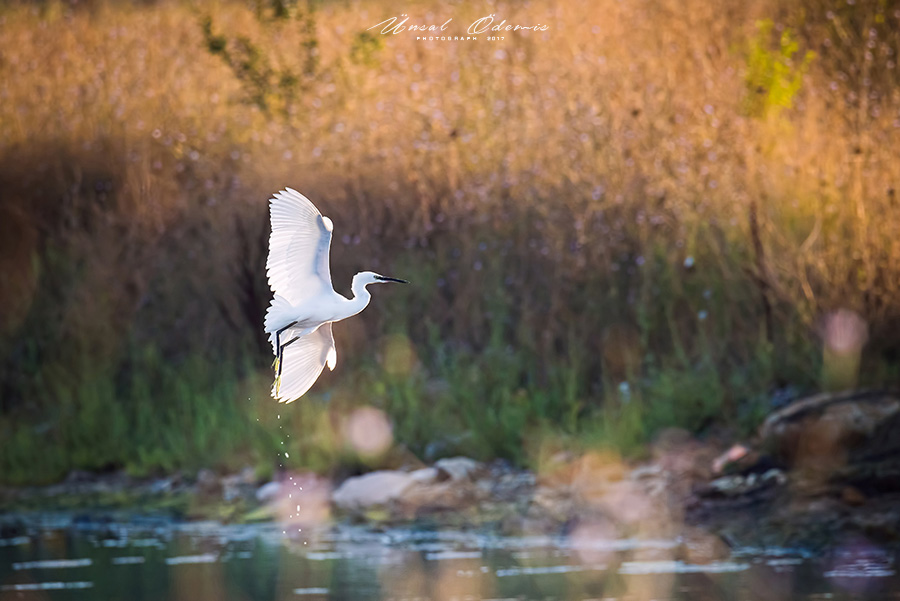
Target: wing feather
x,y
304,361
299,245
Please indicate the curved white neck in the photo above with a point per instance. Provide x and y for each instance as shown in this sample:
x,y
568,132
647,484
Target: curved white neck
x,y
361,296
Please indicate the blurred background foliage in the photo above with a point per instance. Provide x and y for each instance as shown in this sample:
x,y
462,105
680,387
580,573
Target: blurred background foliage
x,y
637,219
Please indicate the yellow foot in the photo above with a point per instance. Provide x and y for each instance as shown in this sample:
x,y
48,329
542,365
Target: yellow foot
x,y
275,364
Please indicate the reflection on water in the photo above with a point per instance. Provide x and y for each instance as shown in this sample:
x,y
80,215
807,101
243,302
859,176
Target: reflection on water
x,y
56,558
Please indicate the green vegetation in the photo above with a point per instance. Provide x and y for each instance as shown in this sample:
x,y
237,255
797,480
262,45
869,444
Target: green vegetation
x,y
269,83
606,233
774,76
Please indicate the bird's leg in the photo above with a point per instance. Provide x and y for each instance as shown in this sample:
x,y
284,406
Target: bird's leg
x,y
278,344
281,363
286,344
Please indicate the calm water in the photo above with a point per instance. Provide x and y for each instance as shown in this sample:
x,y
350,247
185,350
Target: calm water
x,y
60,558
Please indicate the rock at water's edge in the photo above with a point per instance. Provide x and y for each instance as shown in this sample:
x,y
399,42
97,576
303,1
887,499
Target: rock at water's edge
x,y
371,490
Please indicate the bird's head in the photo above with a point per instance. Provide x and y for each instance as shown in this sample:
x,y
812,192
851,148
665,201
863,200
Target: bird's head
x,y
370,277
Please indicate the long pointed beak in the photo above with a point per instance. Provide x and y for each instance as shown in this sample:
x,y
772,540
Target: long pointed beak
x,y
386,279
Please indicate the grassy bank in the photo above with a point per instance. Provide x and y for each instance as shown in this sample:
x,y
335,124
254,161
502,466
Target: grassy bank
x,y
639,218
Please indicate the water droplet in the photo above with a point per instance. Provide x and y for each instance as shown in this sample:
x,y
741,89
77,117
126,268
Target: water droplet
x,y
625,391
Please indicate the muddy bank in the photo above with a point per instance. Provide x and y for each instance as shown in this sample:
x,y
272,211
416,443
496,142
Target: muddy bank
x,y
819,471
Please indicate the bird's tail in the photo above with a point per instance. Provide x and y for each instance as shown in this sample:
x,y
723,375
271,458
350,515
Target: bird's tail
x,y
278,315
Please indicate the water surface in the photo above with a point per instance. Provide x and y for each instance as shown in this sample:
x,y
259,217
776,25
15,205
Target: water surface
x,y
57,557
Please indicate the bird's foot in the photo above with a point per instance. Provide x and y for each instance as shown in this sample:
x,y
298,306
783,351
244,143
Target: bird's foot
x,y
275,364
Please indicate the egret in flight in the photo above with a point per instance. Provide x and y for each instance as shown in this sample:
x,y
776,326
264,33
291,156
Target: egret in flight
x,y
305,305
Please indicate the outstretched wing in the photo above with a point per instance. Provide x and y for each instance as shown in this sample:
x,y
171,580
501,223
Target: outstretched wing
x,y
298,248
304,360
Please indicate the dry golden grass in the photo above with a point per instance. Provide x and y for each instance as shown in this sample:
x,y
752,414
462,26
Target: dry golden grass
x,y
598,184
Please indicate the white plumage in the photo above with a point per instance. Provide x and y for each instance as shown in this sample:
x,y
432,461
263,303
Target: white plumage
x,y
300,316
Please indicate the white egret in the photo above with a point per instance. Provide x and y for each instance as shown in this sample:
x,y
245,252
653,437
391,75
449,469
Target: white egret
x,y
305,305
